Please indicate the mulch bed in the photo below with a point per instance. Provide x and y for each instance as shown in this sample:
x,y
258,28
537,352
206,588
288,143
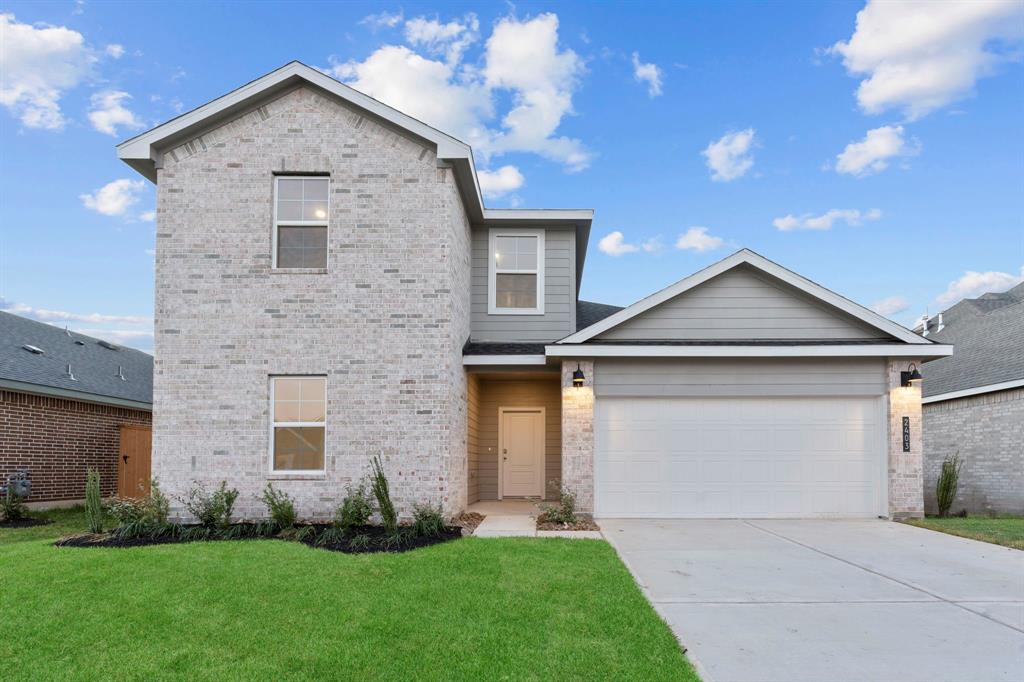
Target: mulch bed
x,y
470,520
581,524
26,522
376,539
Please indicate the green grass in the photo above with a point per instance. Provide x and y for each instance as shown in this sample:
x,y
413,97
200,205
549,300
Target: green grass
x,y
999,530
65,522
481,609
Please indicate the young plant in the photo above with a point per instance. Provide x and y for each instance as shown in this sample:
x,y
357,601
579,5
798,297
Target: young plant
x,y
281,506
127,510
356,509
379,485
159,507
565,510
211,509
12,506
949,481
93,502
427,520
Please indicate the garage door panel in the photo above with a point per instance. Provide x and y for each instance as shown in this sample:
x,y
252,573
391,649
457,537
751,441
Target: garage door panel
x,y
738,457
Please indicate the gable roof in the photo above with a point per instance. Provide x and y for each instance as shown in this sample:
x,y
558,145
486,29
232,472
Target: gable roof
x,y
94,364
758,262
988,332
588,313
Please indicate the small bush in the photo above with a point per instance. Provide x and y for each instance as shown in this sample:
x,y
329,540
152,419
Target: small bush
x,y
565,510
395,539
151,511
360,541
12,506
334,535
159,505
379,485
126,510
281,506
427,520
93,503
211,509
356,509
949,480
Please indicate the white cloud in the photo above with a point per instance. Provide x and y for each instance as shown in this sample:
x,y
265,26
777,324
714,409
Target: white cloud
x,y
44,315
614,244
697,239
114,50
729,158
973,284
450,39
147,216
136,338
40,63
874,152
500,182
920,56
807,221
382,20
890,306
521,63
647,73
652,245
114,198
108,112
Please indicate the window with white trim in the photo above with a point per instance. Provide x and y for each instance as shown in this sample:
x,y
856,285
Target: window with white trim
x,y
301,207
516,272
298,424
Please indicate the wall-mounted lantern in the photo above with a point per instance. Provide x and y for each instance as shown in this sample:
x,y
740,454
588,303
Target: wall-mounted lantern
x,y
912,377
578,377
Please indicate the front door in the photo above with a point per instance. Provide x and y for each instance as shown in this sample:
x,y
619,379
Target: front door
x,y
521,441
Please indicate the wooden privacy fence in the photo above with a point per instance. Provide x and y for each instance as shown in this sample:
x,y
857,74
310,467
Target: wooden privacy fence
x,y
133,462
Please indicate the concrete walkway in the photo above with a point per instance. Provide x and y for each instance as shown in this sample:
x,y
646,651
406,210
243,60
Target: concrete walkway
x,y
797,601
518,518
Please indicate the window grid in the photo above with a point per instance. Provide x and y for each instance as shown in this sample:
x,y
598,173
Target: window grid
x,y
514,257
298,417
308,207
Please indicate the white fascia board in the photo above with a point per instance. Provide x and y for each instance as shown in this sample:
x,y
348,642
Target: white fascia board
x,y
761,263
504,359
852,351
539,215
977,390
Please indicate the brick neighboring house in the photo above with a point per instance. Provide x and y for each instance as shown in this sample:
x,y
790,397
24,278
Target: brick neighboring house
x,y
974,402
56,424
330,286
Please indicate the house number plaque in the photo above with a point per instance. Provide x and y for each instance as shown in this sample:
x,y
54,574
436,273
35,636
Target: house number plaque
x,y
906,434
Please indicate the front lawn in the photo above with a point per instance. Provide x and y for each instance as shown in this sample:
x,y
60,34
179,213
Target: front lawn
x,y
514,608
999,530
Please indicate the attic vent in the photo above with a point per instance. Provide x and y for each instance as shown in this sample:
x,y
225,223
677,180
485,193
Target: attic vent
x,y
36,350
70,374
107,345
79,343
120,374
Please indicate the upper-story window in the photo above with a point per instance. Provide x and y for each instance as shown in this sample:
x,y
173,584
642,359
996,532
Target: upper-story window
x,y
516,272
300,222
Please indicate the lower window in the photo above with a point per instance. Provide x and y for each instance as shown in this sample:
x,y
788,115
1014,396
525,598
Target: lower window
x,y
298,406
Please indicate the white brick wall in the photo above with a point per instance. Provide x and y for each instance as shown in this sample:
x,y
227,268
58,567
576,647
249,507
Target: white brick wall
x,y
905,468
385,323
578,434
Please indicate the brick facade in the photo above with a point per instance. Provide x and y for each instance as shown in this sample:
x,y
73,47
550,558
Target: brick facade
x,y
57,440
988,432
578,434
905,468
385,322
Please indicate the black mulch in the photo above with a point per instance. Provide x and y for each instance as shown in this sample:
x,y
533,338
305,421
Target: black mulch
x,y
26,522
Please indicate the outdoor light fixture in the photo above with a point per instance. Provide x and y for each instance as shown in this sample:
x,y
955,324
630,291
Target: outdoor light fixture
x,y
911,377
578,377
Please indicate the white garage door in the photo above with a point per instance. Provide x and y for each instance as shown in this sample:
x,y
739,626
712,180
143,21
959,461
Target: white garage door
x,y
739,457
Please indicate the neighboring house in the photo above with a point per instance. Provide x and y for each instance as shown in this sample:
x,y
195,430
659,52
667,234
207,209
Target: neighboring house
x,y
63,399
330,286
974,402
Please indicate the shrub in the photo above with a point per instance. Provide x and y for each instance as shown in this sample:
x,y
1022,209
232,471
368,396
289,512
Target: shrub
x,y
379,485
356,509
211,509
360,541
281,506
93,503
126,510
12,506
565,510
151,511
427,520
949,480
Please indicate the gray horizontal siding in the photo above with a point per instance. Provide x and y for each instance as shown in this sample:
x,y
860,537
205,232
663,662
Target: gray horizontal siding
x,y
742,304
737,377
559,318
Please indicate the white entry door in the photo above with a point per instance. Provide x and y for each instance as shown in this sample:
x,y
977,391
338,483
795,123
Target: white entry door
x,y
739,457
521,441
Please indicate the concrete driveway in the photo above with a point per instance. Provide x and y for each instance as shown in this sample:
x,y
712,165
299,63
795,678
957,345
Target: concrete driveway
x,y
812,601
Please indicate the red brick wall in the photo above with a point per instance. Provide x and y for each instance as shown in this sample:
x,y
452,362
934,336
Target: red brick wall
x,y
58,439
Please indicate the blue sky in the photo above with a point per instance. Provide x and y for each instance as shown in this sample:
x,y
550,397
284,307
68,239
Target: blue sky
x,y
886,165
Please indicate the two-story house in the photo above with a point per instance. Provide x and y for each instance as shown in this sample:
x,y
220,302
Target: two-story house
x,y
330,286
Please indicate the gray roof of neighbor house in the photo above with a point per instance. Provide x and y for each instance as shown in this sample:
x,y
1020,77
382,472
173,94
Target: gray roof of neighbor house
x,y
988,333
94,364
